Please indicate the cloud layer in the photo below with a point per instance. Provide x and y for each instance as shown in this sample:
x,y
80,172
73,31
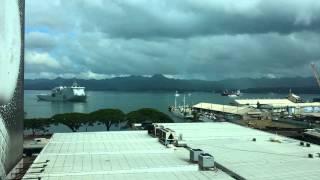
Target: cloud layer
x,y
184,38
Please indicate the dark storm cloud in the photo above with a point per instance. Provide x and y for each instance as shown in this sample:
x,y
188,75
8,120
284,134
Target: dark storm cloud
x,y
181,19
40,40
258,55
188,39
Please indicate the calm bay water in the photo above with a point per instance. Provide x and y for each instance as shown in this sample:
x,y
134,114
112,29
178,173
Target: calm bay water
x,y
127,101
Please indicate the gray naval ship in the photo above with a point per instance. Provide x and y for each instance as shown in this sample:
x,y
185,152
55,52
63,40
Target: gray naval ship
x,y
72,93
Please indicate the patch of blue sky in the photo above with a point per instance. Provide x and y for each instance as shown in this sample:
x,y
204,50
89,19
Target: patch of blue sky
x,y
71,34
42,29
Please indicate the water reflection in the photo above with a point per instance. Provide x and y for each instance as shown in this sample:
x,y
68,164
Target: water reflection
x,y
63,107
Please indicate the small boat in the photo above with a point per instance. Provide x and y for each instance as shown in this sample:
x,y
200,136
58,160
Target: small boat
x,y
231,93
225,93
182,112
73,93
207,117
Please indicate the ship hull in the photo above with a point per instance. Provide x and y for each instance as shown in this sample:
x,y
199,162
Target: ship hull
x,y
73,94
61,99
179,114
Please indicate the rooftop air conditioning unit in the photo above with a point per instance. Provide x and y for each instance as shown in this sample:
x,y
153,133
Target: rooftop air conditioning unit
x,y
206,161
152,132
167,136
194,154
157,130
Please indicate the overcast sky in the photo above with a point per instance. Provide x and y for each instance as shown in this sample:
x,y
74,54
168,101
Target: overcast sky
x,y
199,39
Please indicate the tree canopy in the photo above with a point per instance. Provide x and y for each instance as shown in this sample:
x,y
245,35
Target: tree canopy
x,y
37,125
148,115
108,117
72,120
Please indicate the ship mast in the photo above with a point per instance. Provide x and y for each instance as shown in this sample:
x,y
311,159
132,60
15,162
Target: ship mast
x,y
175,99
315,73
184,102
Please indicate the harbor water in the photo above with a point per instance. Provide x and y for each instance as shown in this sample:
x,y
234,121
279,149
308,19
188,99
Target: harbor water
x,y
128,101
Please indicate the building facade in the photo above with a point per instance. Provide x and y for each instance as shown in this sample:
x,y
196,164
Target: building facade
x,y
11,83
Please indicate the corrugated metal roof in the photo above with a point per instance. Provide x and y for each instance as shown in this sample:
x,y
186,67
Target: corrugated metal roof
x,y
232,147
223,108
115,155
136,155
276,103
263,101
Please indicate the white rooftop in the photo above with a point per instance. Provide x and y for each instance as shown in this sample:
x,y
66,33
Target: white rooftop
x,y
263,101
276,103
114,155
223,108
269,157
135,155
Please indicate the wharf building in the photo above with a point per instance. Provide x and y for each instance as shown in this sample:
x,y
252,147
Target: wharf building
x,y
266,109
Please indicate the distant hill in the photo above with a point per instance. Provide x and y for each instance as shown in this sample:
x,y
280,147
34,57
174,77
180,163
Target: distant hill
x,y
159,82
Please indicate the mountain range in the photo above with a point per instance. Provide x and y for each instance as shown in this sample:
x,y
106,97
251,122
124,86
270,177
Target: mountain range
x,y
159,82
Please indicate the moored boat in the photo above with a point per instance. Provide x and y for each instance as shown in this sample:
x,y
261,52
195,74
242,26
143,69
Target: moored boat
x,y
73,93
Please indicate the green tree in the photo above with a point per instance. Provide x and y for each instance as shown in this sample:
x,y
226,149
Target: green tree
x,y
108,117
89,122
37,125
72,120
147,115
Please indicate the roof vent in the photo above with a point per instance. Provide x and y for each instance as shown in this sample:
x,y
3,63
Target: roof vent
x,y
194,154
301,143
180,142
310,155
308,145
180,137
206,161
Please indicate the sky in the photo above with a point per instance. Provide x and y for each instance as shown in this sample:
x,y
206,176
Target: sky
x,y
186,39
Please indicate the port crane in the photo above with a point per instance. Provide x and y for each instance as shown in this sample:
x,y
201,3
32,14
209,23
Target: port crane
x,y
315,73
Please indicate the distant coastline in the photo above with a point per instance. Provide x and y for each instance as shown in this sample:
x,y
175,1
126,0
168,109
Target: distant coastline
x,y
159,83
